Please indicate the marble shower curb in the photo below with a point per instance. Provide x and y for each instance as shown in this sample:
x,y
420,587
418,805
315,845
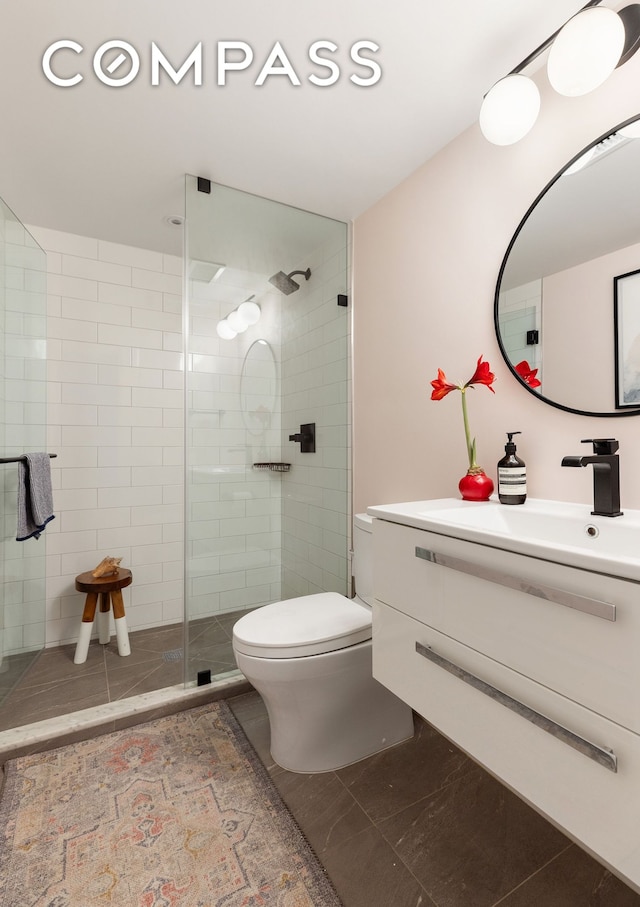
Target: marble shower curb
x,y
112,716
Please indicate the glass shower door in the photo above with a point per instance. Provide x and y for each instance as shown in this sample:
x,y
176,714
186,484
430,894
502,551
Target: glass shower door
x,y
267,351
22,428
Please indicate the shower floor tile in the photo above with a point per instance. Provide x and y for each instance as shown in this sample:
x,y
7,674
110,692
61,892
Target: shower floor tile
x,y
49,688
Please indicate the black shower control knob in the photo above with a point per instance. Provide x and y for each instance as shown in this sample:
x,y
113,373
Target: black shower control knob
x,y
306,437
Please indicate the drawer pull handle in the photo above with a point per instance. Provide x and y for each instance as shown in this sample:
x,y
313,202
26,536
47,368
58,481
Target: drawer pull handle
x,y
599,754
604,610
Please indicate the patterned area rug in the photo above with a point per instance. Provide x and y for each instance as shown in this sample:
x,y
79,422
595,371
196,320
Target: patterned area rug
x,y
178,811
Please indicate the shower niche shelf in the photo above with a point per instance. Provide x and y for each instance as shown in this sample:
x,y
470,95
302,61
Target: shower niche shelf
x,y
273,467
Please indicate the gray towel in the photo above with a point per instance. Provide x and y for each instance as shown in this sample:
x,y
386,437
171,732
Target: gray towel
x,y
35,499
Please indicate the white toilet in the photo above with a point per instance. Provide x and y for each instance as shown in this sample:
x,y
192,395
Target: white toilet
x,y
310,660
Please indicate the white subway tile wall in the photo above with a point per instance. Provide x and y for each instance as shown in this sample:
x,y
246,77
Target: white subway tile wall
x,y
115,419
520,312
23,427
114,371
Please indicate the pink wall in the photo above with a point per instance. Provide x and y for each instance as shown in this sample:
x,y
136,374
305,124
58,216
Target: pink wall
x,y
578,329
426,260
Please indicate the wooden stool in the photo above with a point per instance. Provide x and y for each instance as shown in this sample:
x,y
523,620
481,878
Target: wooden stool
x,y
109,589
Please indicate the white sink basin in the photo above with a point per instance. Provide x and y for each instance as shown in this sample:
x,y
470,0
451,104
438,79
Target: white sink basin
x,y
556,531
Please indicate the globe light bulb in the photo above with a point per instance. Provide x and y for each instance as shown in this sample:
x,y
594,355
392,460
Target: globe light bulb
x,y
224,330
250,311
586,51
509,110
237,322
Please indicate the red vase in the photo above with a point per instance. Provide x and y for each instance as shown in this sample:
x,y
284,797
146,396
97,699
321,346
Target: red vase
x,y
476,486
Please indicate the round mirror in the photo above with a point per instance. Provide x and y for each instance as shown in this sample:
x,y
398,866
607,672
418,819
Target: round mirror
x,y
567,303
258,387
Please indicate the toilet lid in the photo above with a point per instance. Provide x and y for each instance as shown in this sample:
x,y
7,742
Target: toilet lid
x,y
309,625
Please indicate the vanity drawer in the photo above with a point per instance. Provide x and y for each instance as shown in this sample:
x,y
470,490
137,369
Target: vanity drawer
x,y
585,656
594,804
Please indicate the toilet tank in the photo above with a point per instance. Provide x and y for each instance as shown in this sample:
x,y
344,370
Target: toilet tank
x,y
362,562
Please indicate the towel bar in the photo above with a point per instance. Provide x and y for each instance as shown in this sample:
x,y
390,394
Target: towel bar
x,y
18,459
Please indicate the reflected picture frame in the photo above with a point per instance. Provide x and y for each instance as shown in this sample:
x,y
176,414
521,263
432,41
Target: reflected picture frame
x,y
626,326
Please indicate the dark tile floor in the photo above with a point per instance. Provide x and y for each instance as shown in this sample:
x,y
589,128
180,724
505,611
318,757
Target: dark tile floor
x,y
421,825
53,685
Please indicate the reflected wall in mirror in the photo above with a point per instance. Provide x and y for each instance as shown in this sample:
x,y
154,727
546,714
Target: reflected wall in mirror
x,y
554,301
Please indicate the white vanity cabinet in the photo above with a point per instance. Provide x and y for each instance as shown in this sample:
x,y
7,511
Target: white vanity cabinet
x,y
529,666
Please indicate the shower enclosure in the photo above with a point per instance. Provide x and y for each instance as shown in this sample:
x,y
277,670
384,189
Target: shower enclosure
x,y
267,350
266,337
22,428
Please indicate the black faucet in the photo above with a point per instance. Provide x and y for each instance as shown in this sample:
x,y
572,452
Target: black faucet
x,y
606,475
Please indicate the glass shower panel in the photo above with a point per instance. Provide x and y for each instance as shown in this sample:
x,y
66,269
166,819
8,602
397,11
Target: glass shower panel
x,y
264,521
22,428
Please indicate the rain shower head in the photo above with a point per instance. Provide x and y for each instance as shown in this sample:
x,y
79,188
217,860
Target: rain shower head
x,y
285,284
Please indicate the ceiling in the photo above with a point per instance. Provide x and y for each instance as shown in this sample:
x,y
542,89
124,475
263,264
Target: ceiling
x,y
110,161
582,216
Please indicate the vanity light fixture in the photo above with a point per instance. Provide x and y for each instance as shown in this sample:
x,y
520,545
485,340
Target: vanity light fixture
x,y
583,54
225,331
250,311
586,51
510,109
236,322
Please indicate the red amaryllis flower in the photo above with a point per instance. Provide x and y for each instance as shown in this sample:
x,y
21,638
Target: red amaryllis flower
x,y
441,387
527,373
482,375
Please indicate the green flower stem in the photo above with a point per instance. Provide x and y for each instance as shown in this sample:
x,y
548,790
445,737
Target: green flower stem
x,y
471,445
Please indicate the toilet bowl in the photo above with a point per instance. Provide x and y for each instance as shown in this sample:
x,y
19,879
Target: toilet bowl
x,y
310,660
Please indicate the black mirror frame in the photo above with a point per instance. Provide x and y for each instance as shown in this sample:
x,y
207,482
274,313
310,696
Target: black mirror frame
x,y
569,409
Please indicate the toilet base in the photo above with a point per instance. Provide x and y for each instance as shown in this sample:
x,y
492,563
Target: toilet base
x,y
326,711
